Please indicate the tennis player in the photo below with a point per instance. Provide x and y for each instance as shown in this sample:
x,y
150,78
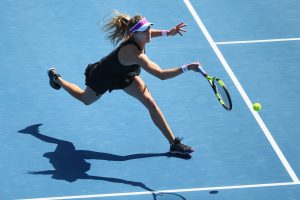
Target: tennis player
x,y
121,69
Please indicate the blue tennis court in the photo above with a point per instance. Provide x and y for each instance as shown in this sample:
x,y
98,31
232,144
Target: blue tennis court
x,y
54,147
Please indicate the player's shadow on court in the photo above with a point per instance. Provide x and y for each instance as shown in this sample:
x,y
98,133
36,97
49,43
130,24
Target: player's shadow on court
x,y
70,164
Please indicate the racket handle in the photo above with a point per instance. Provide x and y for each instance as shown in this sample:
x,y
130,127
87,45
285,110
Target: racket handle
x,y
202,71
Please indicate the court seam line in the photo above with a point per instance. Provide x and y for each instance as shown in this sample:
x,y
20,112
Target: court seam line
x,y
167,191
242,92
257,41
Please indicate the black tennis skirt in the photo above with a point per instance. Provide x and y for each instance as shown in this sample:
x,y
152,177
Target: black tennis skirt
x,y
107,81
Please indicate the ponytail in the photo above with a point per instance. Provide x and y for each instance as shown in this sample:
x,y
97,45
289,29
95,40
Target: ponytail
x,y
118,27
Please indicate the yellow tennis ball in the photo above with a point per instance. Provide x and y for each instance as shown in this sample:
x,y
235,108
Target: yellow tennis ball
x,y
256,106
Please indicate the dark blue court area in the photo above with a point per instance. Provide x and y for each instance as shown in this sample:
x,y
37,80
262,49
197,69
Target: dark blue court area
x,y
54,147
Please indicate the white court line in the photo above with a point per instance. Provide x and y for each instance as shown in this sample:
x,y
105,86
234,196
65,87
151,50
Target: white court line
x,y
243,93
258,41
166,191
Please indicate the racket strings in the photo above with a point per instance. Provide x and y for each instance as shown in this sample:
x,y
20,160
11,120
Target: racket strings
x,y
222,94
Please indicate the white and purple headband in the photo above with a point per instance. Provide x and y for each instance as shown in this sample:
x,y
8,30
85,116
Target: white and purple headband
x,y
142,25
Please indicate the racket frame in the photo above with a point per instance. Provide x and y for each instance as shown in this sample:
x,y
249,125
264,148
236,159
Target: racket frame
x,y
211,80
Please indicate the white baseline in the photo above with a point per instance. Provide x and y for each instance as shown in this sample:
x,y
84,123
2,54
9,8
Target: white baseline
x,y
166,191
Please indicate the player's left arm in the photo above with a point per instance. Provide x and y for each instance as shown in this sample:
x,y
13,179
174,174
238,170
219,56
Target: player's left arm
x,y
151,67
178,29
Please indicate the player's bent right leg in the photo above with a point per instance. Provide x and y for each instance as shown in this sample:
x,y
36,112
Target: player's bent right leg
x,y
87,96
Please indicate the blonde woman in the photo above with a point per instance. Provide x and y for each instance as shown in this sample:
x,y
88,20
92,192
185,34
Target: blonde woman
x,y
121,69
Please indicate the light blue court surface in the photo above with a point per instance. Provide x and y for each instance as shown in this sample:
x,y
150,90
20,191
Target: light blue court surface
x,y
53,146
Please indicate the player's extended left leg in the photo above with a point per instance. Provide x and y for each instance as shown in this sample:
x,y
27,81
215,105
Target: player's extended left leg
x,y
139,90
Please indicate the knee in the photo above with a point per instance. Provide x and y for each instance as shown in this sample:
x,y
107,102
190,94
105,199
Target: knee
x,y
88,97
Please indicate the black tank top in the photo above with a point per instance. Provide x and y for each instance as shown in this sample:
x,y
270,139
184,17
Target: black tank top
x,y
111,66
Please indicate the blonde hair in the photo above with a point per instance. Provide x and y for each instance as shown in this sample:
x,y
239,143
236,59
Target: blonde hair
x,y
117,28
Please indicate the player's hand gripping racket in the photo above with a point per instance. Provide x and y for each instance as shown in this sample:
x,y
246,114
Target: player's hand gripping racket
x,y
219,89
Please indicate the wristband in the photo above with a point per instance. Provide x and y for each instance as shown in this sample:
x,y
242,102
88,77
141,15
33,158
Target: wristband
x,y
185,68
164,32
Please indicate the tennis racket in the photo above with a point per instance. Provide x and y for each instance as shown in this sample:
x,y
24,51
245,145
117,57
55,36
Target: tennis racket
x,y
219,89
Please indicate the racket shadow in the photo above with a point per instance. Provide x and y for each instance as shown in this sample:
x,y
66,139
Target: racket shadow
x,y
167,196
70,164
